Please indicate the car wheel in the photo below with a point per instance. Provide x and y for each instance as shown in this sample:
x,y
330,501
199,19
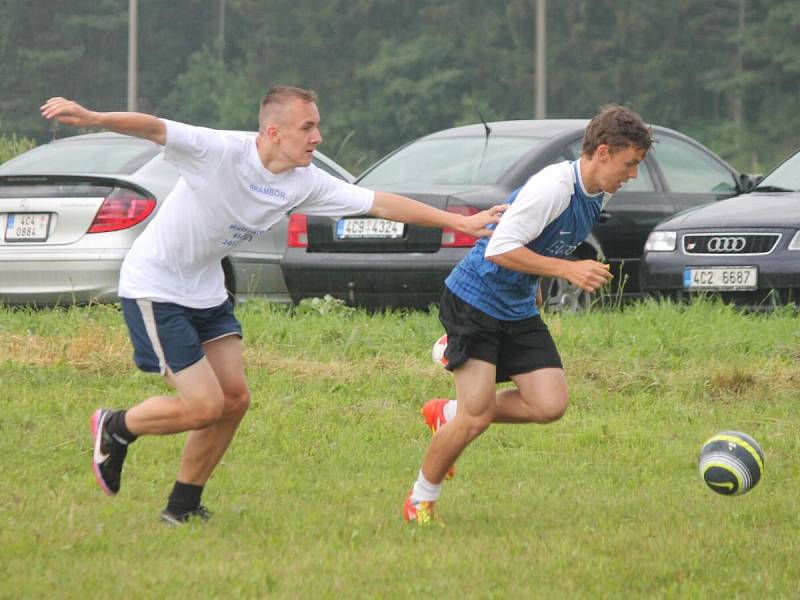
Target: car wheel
x,y
560,295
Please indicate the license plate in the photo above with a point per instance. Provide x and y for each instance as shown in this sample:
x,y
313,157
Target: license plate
x,y
27,227
368,228
720,278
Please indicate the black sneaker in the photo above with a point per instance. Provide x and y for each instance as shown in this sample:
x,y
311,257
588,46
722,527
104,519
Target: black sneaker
x,y
109,454
201,513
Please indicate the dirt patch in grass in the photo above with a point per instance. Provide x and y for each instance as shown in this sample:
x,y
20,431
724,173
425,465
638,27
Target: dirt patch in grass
x,y
93,349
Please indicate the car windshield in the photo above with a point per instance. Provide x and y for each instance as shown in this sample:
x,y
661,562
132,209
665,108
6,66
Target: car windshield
x,y
99,155
785,178
451,161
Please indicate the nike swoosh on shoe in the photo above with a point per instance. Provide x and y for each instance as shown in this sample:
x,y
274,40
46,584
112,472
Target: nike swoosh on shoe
x,y
97,422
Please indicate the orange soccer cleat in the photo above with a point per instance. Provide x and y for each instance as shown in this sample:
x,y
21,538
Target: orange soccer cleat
x,y
433,413
421,513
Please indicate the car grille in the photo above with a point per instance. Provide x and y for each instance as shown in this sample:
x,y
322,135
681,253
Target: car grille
x,y
730,244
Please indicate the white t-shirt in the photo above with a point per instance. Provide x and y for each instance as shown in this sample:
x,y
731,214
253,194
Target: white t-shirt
x,y
224,197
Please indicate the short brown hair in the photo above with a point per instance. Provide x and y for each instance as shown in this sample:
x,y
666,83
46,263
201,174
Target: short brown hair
x,y
282,94
617,127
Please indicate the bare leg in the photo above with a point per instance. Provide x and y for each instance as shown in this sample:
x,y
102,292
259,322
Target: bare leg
x,y
199,403
475,391
205,447
540,397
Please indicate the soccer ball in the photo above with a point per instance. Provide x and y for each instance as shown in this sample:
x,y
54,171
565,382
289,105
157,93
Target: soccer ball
x,y
438,351
731,463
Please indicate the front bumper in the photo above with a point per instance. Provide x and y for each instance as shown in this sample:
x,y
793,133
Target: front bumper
x,y
661,274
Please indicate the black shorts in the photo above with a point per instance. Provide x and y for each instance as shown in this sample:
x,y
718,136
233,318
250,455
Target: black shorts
x,y
514,347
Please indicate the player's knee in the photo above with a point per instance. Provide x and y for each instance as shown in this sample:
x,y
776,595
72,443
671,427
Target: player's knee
x,y
207,413
474,425
237,403
551,410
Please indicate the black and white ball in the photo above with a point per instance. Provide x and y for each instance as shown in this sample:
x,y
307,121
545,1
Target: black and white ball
x,y
731,463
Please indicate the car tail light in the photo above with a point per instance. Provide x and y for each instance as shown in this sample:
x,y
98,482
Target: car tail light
x,y
121,209
298,231
457,239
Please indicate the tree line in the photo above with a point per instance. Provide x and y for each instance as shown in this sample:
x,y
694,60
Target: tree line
x,y
726,72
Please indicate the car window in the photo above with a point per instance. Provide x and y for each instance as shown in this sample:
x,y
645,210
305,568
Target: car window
x,y
689,170
330,169
99,155
446,161
576,147
643,181
784,177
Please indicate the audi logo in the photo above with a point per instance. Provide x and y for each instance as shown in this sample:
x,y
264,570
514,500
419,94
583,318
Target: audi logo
x,y
726,244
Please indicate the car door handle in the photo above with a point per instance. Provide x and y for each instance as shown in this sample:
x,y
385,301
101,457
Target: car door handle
x,y
603,217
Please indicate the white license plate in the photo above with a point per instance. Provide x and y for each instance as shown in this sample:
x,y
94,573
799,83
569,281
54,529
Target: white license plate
x,y
368,228
720,278
27,227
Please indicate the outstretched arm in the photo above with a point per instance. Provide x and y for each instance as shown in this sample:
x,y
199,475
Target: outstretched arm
x,y
139,125
399,208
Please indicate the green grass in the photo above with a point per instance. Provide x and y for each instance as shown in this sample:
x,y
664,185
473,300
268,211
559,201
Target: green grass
x,y
606,503
11,146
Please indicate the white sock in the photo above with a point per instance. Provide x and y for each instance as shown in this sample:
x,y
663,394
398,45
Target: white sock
x,y
424,490
450,410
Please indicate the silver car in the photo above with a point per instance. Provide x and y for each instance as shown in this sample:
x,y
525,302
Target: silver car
x,y
70,210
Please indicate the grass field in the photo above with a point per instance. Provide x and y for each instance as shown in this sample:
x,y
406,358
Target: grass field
x,y
606,503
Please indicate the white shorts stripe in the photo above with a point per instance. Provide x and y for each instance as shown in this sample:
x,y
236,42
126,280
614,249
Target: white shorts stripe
x,y
146,307
219,337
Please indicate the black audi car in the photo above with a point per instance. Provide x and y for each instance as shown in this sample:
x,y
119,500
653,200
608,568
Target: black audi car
x,y
746,249
380,264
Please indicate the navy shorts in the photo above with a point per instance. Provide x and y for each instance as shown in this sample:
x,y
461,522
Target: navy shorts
x,y
166,335
514,347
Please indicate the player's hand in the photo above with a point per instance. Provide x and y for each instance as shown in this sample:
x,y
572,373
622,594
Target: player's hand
x,y
67,112
539,297
475,225
589,275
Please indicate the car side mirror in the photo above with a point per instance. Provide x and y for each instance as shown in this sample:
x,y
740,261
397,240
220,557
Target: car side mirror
x,y
747,181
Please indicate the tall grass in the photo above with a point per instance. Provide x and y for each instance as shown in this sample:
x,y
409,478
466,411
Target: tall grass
x,y
11,146
606,503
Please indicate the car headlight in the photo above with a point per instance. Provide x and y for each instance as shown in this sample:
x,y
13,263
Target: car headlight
x,y
660,241
795,243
